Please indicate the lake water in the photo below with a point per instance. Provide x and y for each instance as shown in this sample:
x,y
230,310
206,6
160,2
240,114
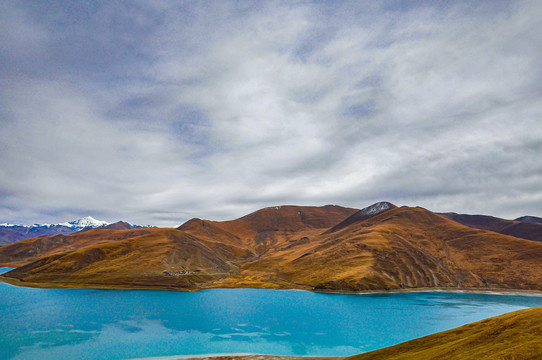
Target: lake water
x,y
73,324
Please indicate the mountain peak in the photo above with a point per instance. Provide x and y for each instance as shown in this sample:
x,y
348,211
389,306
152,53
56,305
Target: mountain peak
x,y
530,219
364,214
87,221
375,209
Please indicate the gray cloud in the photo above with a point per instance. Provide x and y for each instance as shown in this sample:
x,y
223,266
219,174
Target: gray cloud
x,y
155,112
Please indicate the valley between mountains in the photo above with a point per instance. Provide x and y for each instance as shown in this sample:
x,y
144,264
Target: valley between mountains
x,y
329,248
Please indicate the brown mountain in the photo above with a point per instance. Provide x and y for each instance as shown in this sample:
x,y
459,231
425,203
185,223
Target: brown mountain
x,y
120,225
289,247
521,229
530,219
363,214
264,229
406,248
29,250
11,234
516,335
254,234
164,258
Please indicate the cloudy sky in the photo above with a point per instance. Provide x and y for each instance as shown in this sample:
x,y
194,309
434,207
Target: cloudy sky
x,y
155,112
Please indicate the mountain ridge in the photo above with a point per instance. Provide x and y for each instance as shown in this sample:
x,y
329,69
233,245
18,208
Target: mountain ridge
x,y
529,230
87,221
10,233
531,219
285,247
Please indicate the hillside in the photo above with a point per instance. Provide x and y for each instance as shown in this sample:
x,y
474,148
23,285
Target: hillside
x,y
163,258
28,250
516,335
406,248
531,219
326,248
362,215
14,233
529,230
199,247
264,229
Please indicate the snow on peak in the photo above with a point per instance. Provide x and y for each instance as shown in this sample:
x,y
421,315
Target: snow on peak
x,y
10,225
87,221
375,209
82,223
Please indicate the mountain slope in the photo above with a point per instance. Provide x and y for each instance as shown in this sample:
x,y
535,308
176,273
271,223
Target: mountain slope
x,y
163,258
120,225
13,233
516,335
531,219
363,214
406,248
255,232
289,247
520,229
264,229
28,250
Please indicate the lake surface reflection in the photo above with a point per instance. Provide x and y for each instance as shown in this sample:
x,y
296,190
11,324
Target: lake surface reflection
x,y
119,324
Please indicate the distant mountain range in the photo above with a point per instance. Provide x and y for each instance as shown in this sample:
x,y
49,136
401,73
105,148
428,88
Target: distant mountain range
x,y
10,233
531,219
332,248
526,227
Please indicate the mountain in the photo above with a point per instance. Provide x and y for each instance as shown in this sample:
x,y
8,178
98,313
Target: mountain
x,y
407,248
82,223
198,248
139,258
530,219
515,335
265,229
28,250
363,214
10,233
530,230
121,225
85,222
383,247
13,233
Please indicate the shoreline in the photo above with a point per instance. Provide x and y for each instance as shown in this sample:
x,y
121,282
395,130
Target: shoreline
x,y
488,291
239,356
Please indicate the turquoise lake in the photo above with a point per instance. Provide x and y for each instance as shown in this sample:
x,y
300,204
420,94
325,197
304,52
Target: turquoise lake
x,y
122,324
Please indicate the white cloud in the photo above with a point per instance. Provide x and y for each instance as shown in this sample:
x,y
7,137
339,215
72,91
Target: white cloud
x,y
222,109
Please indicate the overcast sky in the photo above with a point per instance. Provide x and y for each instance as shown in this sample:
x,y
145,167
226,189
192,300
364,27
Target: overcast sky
x,y
155,112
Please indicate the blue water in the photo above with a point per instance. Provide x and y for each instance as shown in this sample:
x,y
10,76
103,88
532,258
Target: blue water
x,y
119,324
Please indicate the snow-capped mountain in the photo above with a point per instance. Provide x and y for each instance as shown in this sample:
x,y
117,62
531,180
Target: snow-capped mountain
x,y
85,222
10,233
375,209
82,223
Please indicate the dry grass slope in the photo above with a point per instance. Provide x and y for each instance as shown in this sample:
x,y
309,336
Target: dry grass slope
x,y
406,248
164,258
513,336
286,247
